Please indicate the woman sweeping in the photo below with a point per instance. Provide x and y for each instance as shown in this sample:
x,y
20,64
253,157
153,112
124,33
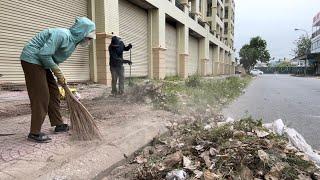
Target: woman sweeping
x,y
40,59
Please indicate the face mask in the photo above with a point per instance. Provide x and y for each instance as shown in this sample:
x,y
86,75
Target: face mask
x,y
85,43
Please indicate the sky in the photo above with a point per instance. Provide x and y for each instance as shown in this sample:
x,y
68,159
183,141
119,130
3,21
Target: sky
x,y
274,21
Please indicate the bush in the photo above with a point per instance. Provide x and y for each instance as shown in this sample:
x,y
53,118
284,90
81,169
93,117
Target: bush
x,y
172,78
193,81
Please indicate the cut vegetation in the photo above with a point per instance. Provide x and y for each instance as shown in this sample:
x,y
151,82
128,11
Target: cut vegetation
x,y
239,150
206,147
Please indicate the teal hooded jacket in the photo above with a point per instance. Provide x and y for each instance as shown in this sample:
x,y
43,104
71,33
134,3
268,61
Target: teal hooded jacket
x,y
53,46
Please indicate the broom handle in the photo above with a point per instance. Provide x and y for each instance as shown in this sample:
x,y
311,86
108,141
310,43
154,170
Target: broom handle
x,y
68,91
130,68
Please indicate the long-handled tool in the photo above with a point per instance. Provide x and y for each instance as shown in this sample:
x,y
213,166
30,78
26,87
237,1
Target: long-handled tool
x,y
130,82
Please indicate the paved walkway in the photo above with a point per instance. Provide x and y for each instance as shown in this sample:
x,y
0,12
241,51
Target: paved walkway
x,y
125,128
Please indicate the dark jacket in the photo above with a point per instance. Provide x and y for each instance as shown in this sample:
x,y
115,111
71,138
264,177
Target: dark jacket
x,y
116,49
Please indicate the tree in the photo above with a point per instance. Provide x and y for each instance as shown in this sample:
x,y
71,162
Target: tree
x,y
255,51
303,46
284,64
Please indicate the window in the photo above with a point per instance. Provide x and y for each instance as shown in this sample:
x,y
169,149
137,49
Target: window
x,y
226,13
209,9
225,28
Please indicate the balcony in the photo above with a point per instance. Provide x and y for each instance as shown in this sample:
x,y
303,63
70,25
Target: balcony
x,y
316,33
179,5
201,22
212,32
192,15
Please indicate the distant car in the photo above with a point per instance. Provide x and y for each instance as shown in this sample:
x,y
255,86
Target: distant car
x,y
256,72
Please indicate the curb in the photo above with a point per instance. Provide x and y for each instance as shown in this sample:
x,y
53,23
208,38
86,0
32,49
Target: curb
x,y
97,162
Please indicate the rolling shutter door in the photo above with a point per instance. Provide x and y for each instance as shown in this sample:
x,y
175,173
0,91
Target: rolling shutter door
x,y
134,30
22,19
194,55
216,66
210,62
171,52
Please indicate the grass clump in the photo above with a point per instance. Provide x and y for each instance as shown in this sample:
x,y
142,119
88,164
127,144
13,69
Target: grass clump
x,y
193,81
174,94
248,124
216,93
173,78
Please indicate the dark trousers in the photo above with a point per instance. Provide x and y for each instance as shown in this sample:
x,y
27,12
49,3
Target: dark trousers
x,y
117,74
44,96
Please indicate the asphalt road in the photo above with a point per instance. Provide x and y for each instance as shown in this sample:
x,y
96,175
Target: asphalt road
x,y
295,100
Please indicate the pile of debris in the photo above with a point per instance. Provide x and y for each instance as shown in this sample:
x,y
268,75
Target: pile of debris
x,y
145,92
153,92
243,149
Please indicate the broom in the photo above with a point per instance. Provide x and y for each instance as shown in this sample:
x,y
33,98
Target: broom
x,y
83,125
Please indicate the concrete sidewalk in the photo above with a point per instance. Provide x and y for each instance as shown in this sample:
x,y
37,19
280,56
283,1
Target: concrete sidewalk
x,y
125,128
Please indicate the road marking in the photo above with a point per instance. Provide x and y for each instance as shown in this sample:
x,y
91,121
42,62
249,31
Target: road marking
x,y
315,116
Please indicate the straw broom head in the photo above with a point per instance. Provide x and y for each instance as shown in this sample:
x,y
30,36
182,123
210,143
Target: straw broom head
x,y
82,123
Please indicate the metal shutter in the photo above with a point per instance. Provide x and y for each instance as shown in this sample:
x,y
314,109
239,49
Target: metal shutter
x,y
194,55
216,68
171,52
210,62
134,29
21,19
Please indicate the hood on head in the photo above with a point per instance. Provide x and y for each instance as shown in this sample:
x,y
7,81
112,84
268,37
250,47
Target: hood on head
x,y
82,28
115,41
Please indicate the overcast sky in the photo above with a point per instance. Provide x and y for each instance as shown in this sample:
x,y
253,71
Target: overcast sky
x,y
274,21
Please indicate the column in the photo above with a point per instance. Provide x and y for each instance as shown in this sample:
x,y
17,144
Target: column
x,y
195,4
107,24
216,57
221,60
183,50
158,29
204,55
93,50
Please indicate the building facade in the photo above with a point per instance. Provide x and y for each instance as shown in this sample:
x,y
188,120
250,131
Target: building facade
x,y
315,47
169,37
315,41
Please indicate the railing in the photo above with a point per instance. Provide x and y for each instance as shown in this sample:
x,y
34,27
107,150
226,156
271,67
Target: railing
x,y
315,34
179,5
192,15
201,22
